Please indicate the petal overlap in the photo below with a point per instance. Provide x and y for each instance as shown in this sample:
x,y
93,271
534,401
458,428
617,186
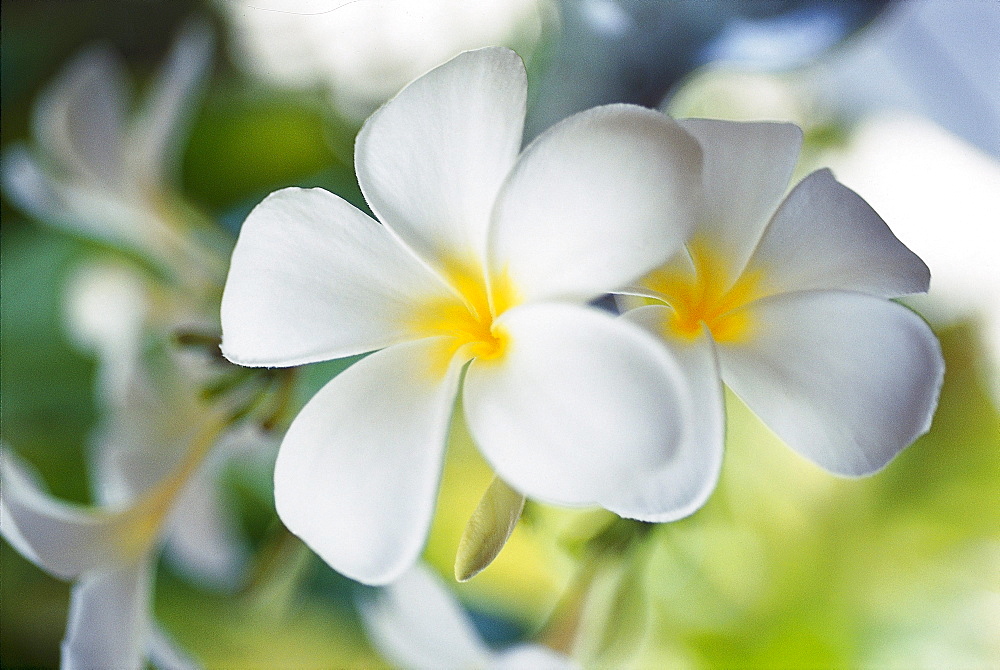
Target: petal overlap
x,y
745,171
683,483
580,403
618,172
64,539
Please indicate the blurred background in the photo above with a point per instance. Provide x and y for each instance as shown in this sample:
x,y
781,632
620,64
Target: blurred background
x,y
786,566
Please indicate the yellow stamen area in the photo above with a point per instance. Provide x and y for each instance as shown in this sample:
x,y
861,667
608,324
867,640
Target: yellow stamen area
x,y
706,296
467,323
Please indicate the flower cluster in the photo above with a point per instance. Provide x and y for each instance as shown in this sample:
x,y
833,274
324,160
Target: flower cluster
x,y
479,273
479,280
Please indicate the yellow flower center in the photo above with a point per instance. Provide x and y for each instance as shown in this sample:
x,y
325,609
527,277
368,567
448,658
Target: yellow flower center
x,y
705,296
468,323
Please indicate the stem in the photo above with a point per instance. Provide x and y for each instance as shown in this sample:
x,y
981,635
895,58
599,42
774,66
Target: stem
x,y
620,539
559,632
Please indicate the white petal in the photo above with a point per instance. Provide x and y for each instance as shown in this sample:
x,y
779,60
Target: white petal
x,y
846,379
533,656
109,619
595,202
579,405
682,484
431,160
825,236
357,473
65,540
156,145
78,119
415,623
312,278
745,171
28,186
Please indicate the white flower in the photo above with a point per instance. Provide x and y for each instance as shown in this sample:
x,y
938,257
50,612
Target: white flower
x,y
95,173
416,624
786,301
363,53
110,555
482,255
122,314
154,465
142,441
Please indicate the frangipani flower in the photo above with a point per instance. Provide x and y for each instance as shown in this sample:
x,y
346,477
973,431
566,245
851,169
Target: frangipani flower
x,y
98,174
482,255
107,307
140,443
109,553
417,624
154,466
786,301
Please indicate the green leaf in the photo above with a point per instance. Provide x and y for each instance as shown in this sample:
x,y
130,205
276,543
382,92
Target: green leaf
x,y
488,529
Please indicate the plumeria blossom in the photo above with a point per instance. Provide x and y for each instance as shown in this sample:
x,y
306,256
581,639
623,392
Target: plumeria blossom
x,y
787,302
109,554
154,465
101,173
483,255
122,315
416,623
140,442
106,311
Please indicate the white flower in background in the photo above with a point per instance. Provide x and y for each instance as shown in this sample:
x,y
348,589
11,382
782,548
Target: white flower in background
x,y
155,460
482,255
107,553
110,554
363,53
101,173
786,301
140,443
416,623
